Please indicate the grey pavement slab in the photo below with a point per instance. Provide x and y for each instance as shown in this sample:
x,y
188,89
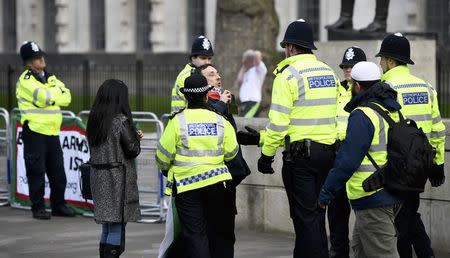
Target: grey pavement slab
x,y
23,236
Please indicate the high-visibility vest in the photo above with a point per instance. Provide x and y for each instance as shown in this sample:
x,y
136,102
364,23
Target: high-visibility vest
x,y
39,102
304,97
378,151
420,103
178,100
193,148
344,96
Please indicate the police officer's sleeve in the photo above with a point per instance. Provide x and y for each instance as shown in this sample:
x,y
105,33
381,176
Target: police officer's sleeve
x,y
279,116
178,100
166,149
30,91
437,137
61,95
230,144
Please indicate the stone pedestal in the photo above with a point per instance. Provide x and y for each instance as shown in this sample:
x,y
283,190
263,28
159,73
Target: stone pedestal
x,y
354,35
30,21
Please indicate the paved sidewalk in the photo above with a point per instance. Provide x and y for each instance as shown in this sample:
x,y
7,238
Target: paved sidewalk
x,y
22,236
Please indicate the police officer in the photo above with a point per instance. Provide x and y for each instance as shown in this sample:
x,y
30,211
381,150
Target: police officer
x,y
40,96
201,53
304,109
193,149
419,102
339,209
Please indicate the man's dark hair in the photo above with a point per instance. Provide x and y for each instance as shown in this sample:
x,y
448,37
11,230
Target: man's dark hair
x,y
199,69
365,84
302,50
111,100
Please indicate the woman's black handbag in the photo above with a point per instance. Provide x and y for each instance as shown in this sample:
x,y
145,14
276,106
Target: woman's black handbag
x,y
85,180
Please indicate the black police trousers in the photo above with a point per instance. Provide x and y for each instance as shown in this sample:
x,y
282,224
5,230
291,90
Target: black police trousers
x,y
338,217
303,178
207,218
411,231
43,154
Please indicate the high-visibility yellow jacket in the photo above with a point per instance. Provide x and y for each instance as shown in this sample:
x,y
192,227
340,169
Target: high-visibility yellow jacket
x,y
344,96
378,151
193,148
39,102
420,103
178,99
304,97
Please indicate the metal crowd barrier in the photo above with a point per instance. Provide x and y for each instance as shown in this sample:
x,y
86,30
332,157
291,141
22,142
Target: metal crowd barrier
x,y
5,137
153,209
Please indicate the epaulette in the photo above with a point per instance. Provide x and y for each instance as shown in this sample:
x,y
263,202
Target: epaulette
x,y
176,113
28,75
282,69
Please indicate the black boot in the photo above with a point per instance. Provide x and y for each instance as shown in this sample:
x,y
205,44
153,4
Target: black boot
x,y
112,251
381,14
101,250
345,21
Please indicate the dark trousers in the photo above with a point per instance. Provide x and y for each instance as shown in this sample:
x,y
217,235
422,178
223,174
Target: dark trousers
x,y
303,179
207,219
338,217
43,154
411,231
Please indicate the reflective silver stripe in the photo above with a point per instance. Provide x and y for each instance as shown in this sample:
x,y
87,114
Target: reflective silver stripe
x,y
280,108
47,98
165,152
200,153
189,164
408,85
277,128
436,120
342,119
220,130
40,111
428,135
366,168
294,74
313,121
163,164
426,117
437,134
183,128
232,153
35,95
378,147
202,176
175,98
314,102
382,140
20,100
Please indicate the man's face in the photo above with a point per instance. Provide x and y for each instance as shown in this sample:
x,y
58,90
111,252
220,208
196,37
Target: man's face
x,y
37,64
347,69
201,60
212,76
384,64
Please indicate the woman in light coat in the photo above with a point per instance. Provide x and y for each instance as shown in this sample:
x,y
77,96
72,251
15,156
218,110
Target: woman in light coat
x,y
114,145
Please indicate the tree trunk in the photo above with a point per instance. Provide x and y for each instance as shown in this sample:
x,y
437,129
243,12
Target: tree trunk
x,y
242,25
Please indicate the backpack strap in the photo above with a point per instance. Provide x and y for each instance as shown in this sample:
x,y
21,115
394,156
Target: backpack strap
x,y
382,112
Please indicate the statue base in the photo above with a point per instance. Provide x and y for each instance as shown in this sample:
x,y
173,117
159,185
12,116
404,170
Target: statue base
x,y
338,34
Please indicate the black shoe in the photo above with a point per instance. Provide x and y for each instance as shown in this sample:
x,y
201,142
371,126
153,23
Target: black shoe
x,y
63,211
112,251
101,250
375,27
343,23
41,214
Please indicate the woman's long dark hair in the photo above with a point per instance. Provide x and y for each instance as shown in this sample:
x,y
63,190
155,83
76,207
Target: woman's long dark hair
x,y
111,100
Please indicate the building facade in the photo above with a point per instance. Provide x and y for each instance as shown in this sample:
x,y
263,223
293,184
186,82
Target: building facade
x,y
127,26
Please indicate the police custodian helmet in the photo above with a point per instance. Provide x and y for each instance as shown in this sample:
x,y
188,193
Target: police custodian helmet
x,y
30,50
299,33
396,46
202,47
196,84
352,56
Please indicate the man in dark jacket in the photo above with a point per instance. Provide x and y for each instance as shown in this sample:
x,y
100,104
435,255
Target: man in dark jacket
x,y
374,232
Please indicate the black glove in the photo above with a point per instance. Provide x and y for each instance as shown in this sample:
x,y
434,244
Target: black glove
x,y
437,177
374,181
265,164
251,137
165,172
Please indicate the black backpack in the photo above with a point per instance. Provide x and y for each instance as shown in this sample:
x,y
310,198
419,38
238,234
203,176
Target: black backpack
x,y
409,157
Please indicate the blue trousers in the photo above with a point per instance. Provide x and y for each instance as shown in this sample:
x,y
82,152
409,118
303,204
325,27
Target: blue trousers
x,y
111,233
